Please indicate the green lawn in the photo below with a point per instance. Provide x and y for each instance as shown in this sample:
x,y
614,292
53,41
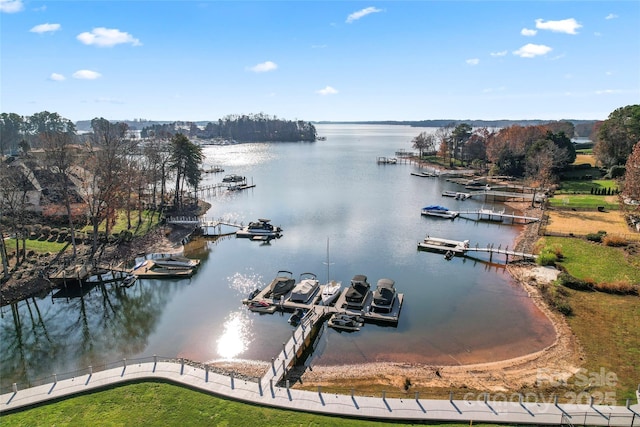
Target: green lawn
x,y
582,186
588,260
584,201
159,404
121,223
38,246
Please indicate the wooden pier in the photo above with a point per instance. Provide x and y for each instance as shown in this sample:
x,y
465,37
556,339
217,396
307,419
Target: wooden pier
x,y
491,215
208,227
462,248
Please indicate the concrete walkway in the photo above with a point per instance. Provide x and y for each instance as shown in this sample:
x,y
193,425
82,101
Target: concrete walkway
x,y
408,409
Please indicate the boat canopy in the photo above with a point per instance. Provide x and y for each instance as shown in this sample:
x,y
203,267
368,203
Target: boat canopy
x,y
435,208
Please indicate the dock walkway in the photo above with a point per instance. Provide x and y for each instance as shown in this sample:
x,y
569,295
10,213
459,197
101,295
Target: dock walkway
x,y
462,248
471,408
491,215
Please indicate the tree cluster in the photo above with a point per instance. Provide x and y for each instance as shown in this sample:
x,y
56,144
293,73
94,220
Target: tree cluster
x,y
539,152
104,171
241,128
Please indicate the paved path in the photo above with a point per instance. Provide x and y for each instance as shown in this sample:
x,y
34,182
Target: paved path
x,y
408,409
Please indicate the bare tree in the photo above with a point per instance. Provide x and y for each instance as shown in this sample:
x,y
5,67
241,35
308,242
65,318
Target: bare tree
x,y
424,142
60,159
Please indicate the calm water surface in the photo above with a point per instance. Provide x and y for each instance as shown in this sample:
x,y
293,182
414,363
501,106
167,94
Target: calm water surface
x,y
457,311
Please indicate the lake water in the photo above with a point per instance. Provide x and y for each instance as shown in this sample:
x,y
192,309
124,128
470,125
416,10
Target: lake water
x,y
458,311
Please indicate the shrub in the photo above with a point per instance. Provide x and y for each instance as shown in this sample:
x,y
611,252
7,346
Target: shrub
x,y
46,230
594,237
564,308
622,287
547,258
616,171
615,241
567,280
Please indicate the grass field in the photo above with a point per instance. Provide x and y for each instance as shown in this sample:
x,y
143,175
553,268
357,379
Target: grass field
x,y
38,246
159,404
140,229
607,327
585,187
585,157
584,201
600,263
582,223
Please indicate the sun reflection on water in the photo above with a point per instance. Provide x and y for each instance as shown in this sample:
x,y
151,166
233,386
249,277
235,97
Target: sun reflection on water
x,y
236,335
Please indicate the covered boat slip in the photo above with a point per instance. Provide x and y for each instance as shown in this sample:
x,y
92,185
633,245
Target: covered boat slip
x,y
263,303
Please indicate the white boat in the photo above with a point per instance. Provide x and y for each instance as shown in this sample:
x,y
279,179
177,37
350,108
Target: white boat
x,y
358,292
387,160
443,245
330,292
305,289
439,211
331,289
262,227
233,178
176,261
345,322
384,296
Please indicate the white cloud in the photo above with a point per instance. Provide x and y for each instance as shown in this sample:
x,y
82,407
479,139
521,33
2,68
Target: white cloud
x,y
497,54
86,75
56,77
528,32
107,37
532,50
611,16
362,13
45,28
568,26
263,67
608,91
11,6
109,101
327,91
473,61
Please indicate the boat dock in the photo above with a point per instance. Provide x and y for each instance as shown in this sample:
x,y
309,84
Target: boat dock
x,y
462,248
491,215
304,335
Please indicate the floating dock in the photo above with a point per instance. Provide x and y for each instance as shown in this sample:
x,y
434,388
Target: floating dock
x,y
436,244
261,303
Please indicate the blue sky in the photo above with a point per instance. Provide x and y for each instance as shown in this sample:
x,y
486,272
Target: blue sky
x,y
328,60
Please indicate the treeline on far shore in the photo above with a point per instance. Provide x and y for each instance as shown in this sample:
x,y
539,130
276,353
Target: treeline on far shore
x,y
582,128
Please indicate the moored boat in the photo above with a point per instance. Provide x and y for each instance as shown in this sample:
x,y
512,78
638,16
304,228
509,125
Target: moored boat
x,y
443,245
261,227
439,211
305,289
345,322
358,292
330,292
129,280
281,285
261,306
176,261
384,296
296,316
